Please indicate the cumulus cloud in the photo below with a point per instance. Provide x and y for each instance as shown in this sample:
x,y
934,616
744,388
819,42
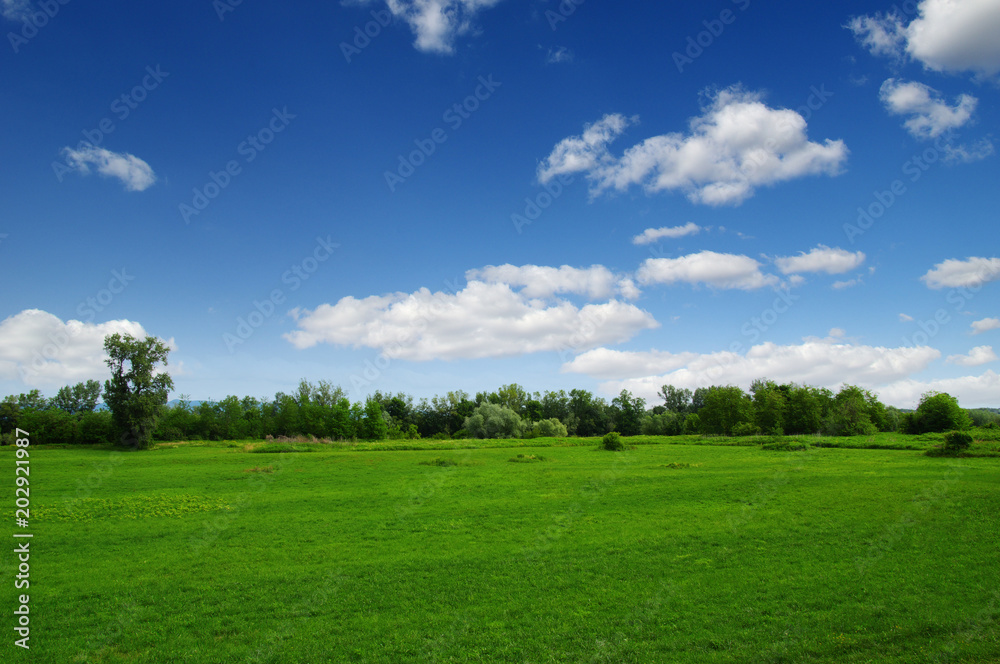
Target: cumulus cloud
x,y
481,320
134,173
596,282
929,115
985,325
971,391
15,10
651,235
736,145
968,273
723,271
41,350
604,363
436,23
978,356
881,34
827,362
948,35
821,259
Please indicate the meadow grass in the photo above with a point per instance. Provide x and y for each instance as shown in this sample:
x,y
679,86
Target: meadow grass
x,y
681,552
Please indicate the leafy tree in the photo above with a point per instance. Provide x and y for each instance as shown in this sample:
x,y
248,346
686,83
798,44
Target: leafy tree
x,y
591,413
852,413
770,404
137,391
81,398
668,423
698,398
724,408
627,413
674,399
939,411
33,400
550,428
373,424
491,420
804,412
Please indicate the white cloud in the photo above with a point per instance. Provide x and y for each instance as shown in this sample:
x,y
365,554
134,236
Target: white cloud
x,y
985,325
481,320
904,318
735,146
436,23
948,35
596,282
978,356
558,55
604,363
850,283
651,235
41,350
955,273
881,34
930,115
724,271
15,10
132,171
821,259
821,362
971,391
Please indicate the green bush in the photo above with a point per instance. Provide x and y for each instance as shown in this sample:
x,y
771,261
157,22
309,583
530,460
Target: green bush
x,y
613,442
957,441
746,429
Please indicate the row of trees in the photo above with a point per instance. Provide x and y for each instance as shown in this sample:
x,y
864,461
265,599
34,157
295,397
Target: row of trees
x,y
137,412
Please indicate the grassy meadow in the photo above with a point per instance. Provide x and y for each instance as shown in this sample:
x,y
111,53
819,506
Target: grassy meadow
x,y
511,551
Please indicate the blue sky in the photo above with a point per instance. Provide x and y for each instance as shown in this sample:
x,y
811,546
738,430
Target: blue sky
x,y
479,192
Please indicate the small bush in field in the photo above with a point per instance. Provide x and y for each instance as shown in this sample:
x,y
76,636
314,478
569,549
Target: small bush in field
x,y
613,442
957,441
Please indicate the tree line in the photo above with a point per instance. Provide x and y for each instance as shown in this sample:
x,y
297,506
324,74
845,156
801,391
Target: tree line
x,y
137,412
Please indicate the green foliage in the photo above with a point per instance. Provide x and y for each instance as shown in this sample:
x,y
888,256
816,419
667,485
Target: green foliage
x,y
490,420
852,413
957,441
746,429
612,442
137,391
785,446
937,412
627,413
527,458
724,409
550,428
692,424
80,398
669,423
676,400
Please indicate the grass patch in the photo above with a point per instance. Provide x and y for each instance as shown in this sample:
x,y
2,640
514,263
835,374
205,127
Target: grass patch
x,y
527,458
836,555
785,446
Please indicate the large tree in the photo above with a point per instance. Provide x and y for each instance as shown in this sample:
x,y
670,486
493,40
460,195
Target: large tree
x,y
137,391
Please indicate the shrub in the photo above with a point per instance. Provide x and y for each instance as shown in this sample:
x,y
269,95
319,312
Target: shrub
x,y
939,412
785,446
957,441
550,428
613,442
490,420
746,429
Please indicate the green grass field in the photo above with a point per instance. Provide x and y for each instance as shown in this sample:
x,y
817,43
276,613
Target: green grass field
x,y
663,553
